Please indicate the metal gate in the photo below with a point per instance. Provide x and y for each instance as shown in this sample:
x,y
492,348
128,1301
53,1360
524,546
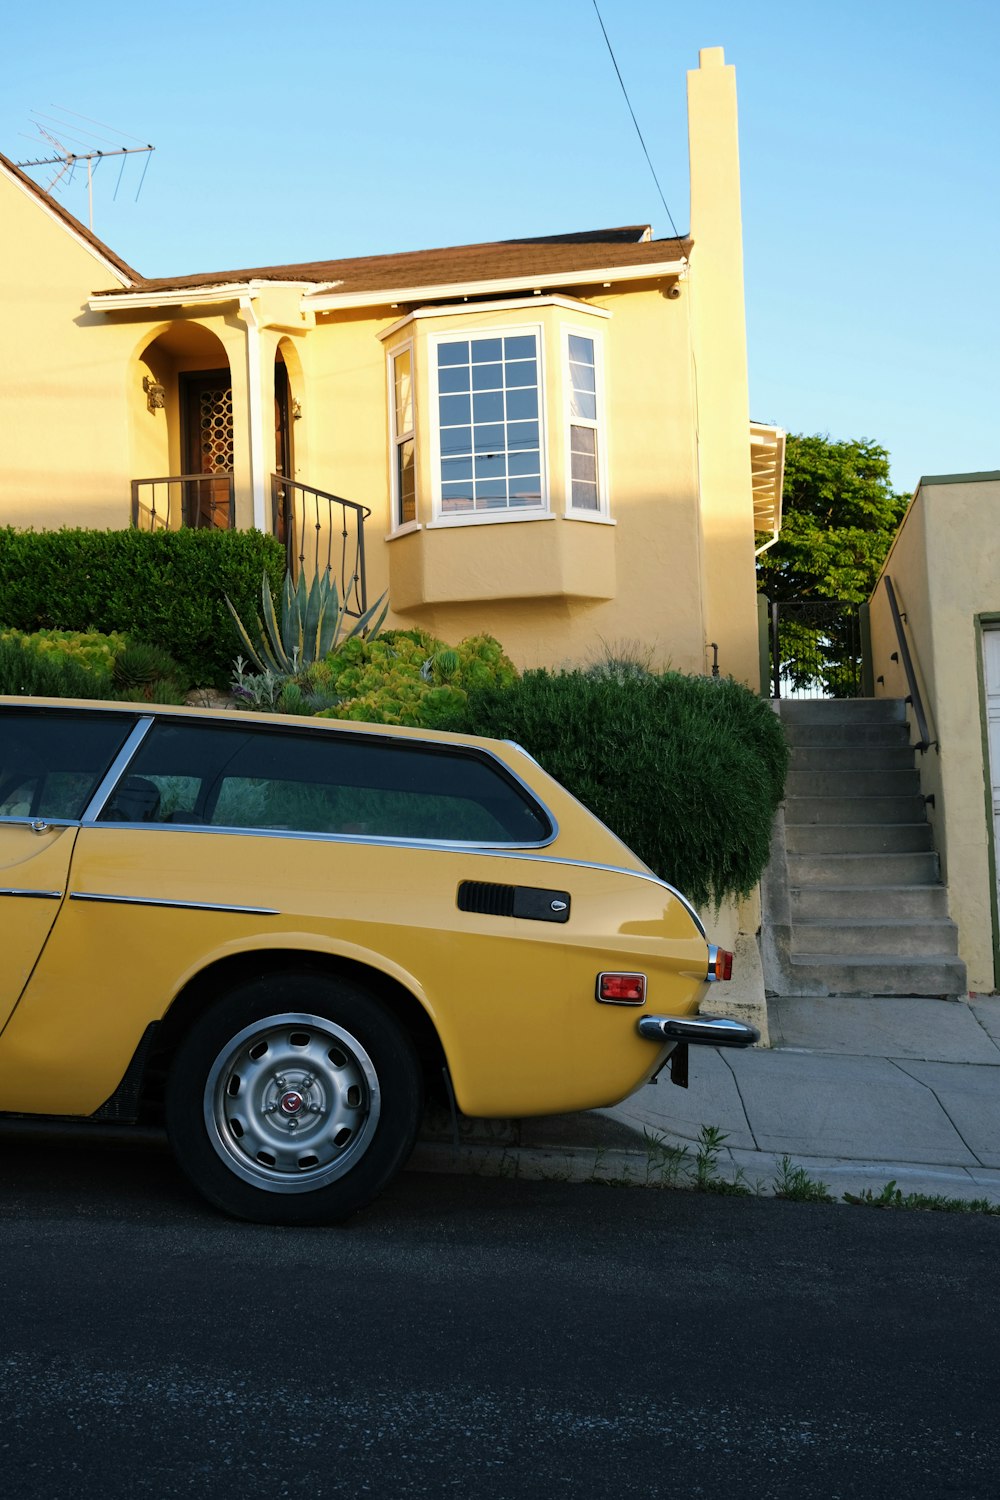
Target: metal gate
x,y
819,648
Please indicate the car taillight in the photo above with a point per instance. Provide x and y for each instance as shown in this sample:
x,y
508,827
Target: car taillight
x,y
720,964
622,989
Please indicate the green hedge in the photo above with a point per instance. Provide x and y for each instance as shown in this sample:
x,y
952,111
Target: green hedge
x,y
166,589
688,771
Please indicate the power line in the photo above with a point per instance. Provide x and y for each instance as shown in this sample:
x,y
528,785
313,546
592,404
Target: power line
x,y
635,122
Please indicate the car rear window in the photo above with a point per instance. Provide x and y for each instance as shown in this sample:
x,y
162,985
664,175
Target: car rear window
x,y
53,760
362,786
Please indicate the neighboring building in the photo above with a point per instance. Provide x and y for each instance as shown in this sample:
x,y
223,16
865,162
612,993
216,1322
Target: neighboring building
x,y
944,568
545,439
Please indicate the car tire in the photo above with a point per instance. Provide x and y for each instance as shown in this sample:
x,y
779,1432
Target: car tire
x,y
294,1100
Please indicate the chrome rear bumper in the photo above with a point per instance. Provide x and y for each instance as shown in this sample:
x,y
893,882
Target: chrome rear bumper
x,y
711,1031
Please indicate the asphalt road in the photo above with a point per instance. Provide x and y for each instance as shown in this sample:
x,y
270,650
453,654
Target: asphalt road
x,y
485,1338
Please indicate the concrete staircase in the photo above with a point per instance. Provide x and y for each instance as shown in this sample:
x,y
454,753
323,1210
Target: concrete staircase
x,y
853,900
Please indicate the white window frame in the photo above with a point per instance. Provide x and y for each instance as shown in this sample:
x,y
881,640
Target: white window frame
x,y
540,512
399,527
599,425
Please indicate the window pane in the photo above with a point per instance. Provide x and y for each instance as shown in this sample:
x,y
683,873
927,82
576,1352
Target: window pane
x,y
522,372
454,409
524,463
456,468
491,467
487,406
522,404
406,482
526,490
521,346
583,440
583,405
486,349
453,378
51,763
522,435
491,489
490,439
581,348
325,783
584,377
456,440
456,497
453,354
585,496
404,392
487,377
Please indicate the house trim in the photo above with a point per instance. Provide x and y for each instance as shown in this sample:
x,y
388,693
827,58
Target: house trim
x,y
378,296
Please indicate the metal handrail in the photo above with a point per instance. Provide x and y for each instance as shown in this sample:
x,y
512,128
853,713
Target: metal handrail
x,y
914,699
299,508
146,516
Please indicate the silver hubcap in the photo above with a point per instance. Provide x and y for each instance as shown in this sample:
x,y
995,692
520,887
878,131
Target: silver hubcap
x,y
292,1103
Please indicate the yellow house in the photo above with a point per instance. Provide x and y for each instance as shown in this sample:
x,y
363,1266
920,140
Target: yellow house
x,y
935,630
546,439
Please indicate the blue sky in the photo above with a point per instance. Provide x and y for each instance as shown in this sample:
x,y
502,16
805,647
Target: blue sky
x,y
870,140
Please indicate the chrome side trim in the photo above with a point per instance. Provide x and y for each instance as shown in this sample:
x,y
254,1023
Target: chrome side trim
x,y
117,769
39,895
246,911
712,1031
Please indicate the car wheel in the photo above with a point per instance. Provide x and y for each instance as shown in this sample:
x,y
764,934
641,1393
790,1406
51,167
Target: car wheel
x,y
294,1100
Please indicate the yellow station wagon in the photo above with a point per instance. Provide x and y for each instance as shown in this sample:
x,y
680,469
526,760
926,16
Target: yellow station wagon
x,y
273,932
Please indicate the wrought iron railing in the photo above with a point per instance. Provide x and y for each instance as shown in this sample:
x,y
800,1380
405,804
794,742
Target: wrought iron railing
x,y
322,533
819,648
204,501
904,656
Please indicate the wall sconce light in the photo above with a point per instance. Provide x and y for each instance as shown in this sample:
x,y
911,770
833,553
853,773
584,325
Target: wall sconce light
x,y
296,409
156,395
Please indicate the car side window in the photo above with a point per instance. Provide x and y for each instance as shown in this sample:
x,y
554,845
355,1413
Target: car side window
x,y
322,782
53,760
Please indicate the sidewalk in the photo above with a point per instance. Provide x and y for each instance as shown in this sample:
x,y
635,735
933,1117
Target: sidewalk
x,y
856,1092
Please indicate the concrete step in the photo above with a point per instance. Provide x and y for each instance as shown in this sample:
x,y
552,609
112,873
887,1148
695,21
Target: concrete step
x,y
859,938
852,758
890,735
834,782
844,870
842,710
854,810
857,838
833,974
850,903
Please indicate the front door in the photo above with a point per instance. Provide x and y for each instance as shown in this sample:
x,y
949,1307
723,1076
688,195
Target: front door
x,y
207,443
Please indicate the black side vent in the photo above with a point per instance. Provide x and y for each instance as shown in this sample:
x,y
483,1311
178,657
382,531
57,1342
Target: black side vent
x,y
480,895
527,901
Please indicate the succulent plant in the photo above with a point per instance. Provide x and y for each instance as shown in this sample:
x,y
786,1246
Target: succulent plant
x,y
313,623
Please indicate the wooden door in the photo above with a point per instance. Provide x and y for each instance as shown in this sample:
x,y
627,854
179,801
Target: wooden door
x,y
207,438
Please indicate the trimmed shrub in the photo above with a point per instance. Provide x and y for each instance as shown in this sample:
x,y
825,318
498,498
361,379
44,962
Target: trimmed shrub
x,y
688,771
167,588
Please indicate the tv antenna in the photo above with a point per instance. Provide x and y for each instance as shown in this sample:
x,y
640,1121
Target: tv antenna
x,y
67,157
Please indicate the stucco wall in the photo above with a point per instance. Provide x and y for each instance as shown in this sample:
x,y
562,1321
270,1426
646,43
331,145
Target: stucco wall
x,y
945,568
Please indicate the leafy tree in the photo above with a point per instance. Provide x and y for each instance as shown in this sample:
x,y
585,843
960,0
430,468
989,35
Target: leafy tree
x,y
840,513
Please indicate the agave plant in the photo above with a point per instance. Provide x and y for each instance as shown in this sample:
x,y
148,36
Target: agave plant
x,y
313,623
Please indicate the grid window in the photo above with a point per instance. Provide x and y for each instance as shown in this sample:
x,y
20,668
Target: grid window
x,y
489,424
585,491
403,438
